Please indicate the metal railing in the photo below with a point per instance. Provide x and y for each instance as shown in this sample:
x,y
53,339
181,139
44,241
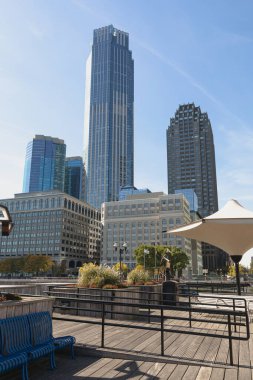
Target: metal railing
x,y
216,286
233,315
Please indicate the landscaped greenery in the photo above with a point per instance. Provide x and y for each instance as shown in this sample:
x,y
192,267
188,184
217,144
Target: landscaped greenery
x,y
9,297
28,264
94,276
124,268
138,276
155,258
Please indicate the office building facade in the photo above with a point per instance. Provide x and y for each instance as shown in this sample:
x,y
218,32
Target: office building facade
x,y
52,224
143,219
44,164
191,165
131,190
74,183
109,124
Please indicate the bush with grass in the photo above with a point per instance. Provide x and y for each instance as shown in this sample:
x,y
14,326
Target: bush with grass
x,y
94,276
138,277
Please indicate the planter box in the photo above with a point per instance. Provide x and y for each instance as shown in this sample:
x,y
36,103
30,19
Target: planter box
x,y
25,306
132,295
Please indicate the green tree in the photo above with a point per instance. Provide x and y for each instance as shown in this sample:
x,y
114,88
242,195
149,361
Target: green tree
x,y
152,258
59,269
242,270
37,264
12,265
178,260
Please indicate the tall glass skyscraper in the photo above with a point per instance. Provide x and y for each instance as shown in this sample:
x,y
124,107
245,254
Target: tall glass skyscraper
x,y
44,164
109,125
74,177
191,165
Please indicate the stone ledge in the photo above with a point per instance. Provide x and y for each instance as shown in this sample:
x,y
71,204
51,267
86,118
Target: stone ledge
x,y
25,306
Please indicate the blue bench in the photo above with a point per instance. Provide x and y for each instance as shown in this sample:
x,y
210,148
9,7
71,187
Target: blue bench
x,y
42,333
27,338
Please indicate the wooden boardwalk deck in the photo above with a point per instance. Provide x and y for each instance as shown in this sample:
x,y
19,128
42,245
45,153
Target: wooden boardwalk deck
x,y
135,354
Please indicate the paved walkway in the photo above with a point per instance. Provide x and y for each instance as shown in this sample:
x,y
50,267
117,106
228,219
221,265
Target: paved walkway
x,y
135,354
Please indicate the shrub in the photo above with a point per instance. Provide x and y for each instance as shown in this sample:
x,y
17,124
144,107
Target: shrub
x,y
9,297
110,286
87,273
138,276
109,275
91,275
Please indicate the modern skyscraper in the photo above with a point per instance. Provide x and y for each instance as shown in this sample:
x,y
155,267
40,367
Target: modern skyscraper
x,y
191,164
74,177
109,125
44,164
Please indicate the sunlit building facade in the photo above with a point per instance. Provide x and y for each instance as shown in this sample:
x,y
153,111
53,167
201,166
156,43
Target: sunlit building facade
x,y
143,219
109,125
53,224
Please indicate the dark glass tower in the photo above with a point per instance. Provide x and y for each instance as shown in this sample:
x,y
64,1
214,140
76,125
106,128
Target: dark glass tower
x,y
109,126
44,164
191,165
74,177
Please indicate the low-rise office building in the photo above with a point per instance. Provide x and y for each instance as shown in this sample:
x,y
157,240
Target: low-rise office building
x,y
54,224
143,219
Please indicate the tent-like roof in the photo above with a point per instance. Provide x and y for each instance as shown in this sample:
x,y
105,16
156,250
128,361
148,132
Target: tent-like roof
x,y
230,229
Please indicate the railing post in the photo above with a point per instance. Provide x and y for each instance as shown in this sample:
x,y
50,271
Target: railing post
x,y
230,340
148,311
234,315
247,321
162,333
103,326
77,303
190,311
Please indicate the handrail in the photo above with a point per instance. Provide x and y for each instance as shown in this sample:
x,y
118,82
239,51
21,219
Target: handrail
x,y
228,313
190,297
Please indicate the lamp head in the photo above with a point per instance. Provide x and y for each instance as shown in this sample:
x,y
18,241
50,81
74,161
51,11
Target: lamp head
x,y
5,220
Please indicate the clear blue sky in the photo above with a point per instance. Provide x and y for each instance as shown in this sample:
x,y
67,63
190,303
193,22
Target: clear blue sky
x,y
184,51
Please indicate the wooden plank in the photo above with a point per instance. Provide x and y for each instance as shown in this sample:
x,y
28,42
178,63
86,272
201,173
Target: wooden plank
x,y
204,373
178,373
153,371
217,373
231,374
123,370
191,373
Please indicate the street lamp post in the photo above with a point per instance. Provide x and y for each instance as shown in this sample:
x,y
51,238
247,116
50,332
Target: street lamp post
x,y
168,272
154,244
121,250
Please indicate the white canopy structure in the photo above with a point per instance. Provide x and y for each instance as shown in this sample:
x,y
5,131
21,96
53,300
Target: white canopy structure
x,y
230,229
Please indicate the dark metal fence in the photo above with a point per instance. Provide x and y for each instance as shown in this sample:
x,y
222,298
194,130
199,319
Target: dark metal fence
x,y
223,287
233,313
